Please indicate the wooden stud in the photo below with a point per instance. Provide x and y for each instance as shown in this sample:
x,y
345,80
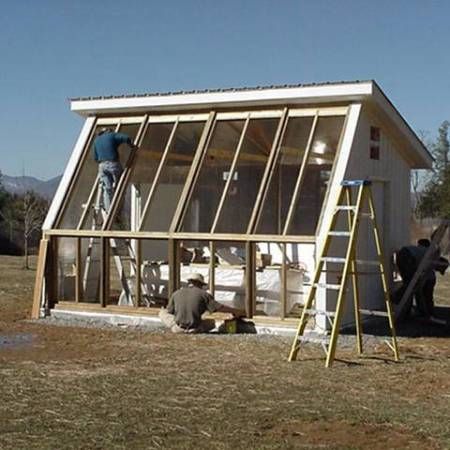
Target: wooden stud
x,y
78,276
212,268
138,273
283,279
173,269
250,279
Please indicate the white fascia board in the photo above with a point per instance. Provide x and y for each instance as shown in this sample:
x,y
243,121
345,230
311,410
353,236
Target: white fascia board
x,y
61,192
298,95
422,157
331,200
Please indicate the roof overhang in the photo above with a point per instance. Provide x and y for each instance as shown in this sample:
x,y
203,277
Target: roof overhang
x,y
344,92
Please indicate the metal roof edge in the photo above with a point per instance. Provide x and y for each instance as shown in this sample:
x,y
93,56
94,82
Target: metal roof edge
x,y
335,91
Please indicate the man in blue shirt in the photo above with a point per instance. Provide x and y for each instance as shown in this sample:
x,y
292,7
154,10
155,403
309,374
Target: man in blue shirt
x,y
106,153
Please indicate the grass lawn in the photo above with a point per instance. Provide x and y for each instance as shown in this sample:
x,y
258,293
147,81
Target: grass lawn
x,y
85,388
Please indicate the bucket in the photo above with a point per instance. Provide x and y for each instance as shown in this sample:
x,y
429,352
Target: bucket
x,y
230,326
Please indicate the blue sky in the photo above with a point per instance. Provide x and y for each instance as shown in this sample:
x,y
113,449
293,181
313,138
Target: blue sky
x,y
52,50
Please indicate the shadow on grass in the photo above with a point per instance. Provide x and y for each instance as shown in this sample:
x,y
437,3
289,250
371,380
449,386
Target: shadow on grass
x,y
413,327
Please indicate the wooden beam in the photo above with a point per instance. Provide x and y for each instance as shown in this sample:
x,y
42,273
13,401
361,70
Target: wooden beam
x,y
39,282
219,237
138,273
250,279
78,276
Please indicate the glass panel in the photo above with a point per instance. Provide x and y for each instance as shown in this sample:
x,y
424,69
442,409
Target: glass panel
x,y
173,177
155,273
284,176
85,181
252,160
66,268
81,190
317,174
213,175
142,175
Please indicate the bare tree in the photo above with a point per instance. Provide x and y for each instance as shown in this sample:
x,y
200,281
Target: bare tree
x,y
34,209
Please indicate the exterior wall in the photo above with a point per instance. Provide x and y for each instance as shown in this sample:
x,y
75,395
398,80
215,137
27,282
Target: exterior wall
x,y
391,193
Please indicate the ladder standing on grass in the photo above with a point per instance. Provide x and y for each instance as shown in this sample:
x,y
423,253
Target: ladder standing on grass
x,y
349,267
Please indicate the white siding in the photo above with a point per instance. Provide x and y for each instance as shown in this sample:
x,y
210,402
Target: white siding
x,y
392,202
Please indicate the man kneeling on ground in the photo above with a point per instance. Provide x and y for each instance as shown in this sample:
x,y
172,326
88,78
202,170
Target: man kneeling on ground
x,y
186,306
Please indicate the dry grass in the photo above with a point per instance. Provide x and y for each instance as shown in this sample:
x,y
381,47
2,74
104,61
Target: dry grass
x,y
88,388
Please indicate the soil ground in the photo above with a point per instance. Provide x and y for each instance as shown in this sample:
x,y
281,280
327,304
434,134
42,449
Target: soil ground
x,y
111,388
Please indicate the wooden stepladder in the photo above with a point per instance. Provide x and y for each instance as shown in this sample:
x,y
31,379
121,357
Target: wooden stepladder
x,y
350,267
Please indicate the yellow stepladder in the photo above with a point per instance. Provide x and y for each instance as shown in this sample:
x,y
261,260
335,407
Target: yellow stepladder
x,y
350,267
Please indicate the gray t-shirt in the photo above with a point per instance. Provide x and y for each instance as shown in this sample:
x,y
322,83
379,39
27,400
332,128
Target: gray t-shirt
x,y
188,304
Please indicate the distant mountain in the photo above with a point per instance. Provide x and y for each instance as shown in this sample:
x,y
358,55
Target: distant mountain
x,y
20,185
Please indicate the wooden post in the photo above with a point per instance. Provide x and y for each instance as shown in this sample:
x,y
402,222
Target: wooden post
x,y
283,279
78,276
212,267
39,283
250,265
174,269
104,271
138,273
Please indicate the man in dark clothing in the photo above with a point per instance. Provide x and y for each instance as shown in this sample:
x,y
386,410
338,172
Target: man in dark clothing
x,y
408,260
186,306
106,153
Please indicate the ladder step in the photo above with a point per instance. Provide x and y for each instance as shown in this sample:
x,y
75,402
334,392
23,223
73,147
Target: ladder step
x,y
333,287
370,312
366,262
339,233
333,259
315,339
346,208
318,312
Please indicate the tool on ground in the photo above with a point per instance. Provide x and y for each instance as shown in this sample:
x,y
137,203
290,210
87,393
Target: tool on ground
x,y
348,265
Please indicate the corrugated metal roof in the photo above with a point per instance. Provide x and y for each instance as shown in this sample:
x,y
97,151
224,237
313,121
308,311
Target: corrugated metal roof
x,y
210,91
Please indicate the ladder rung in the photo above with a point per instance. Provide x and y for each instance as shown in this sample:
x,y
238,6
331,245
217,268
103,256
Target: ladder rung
x,y
345,208
370,312
315,339
320,312
366,262
334,287
339,233
333,259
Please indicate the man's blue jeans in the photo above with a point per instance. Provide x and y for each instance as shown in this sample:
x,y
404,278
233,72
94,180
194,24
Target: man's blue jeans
x,y
110,172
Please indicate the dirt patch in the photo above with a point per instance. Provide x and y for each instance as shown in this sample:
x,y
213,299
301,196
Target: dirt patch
x,y
340,434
